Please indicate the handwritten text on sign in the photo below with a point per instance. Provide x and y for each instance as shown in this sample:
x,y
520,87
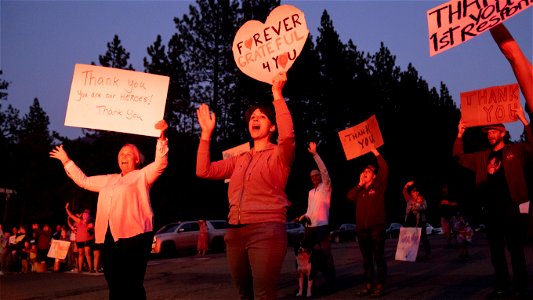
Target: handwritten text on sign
x,y
263,50
116,100
408,243
491,105
457,21
361,139
58,249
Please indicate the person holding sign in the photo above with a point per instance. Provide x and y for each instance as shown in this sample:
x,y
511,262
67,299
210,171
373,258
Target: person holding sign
x,y
502,186
256,238
415,212
369,198
124,217
523,70
317,232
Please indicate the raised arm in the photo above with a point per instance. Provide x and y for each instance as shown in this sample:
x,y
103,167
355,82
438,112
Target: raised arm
x,y
321,166
286,140
156,168
71,215
383,173
406,195
204,167
93,183
521,66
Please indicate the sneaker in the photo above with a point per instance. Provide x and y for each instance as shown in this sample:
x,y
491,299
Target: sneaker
x,y
362,293
378,292
1,273
367,290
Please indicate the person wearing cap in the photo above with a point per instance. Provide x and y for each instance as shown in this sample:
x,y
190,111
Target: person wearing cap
x,y
415,212
523,71
369,198
256,237
501,186
317,231
124,216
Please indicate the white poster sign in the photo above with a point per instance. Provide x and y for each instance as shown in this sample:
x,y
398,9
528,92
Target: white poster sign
x,y
116,100
262,50
458,21
58,249
408,243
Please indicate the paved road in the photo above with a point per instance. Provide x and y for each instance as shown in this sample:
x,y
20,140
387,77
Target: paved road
x,y
441,276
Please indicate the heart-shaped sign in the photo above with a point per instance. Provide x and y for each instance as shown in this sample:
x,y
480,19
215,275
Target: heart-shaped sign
x,y
263,50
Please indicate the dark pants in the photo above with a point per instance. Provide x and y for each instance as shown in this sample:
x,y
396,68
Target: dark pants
x,y
507,231
124,263
424,238
372,246
323,262
255,255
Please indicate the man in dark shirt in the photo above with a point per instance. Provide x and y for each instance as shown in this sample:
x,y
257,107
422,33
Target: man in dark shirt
x,y
501,185
369,198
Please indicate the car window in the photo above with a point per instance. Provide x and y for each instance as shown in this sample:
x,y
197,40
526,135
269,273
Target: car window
x,y
168,228
219,224
190,227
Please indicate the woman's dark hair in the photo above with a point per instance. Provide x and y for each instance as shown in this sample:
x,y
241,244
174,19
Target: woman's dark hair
x,y
268,110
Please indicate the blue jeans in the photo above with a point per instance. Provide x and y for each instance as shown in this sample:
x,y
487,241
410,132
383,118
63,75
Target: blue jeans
x,y
255,255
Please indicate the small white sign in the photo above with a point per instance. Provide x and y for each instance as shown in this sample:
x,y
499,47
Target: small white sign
x,y
408,243
58,249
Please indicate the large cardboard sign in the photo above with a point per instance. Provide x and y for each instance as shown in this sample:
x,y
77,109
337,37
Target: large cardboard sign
x,y
408,243
263,50
58,249
361,138
116,100
457,21
491,105
234,152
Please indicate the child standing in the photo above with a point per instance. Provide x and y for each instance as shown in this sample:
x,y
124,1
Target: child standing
x,y
464,235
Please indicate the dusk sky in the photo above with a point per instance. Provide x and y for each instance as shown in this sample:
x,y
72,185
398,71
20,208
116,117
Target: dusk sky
x,y
41,41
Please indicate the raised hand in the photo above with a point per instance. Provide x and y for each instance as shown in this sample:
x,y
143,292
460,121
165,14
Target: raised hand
x,y
277,85
163,126
206,120
461,128
60,154
519,113
312,148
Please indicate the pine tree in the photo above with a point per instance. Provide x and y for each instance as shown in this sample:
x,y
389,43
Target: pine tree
x,y
116,56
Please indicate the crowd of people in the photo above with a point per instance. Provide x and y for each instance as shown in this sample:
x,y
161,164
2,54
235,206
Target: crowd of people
x,y
256,239
25,248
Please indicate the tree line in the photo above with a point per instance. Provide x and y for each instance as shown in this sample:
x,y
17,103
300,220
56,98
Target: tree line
x,y
332,86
